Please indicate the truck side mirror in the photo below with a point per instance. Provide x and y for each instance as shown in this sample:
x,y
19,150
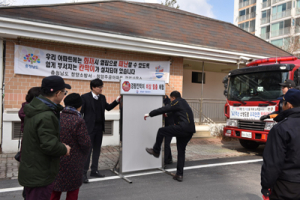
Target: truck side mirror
x,y
225,82
225,93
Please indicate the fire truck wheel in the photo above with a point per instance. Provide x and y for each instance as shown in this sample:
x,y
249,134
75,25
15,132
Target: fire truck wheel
x,y
247,144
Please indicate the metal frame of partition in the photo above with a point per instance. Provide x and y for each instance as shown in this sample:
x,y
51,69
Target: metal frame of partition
x,y
128,131
135,133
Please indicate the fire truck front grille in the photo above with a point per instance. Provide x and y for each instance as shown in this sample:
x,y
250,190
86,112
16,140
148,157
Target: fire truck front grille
x,y
257,126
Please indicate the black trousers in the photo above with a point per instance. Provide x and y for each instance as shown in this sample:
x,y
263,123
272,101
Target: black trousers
x,y
96,139
285,190
182,139
168,153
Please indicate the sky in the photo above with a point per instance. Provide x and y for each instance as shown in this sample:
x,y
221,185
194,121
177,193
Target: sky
x,y
217,9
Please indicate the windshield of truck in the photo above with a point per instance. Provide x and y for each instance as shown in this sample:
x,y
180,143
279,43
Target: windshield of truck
x,y
256,86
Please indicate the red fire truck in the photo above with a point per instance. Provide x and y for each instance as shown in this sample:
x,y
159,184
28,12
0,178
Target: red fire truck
x,y
252,92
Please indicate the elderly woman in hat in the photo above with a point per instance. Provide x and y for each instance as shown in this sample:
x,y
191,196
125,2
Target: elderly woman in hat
x,y
74,133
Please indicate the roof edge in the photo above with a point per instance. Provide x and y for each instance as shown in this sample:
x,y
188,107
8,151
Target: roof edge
x,y
123,1
144,5
15,28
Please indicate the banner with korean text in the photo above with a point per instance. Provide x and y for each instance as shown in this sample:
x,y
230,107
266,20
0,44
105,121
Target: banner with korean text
x,y
41,62
249,113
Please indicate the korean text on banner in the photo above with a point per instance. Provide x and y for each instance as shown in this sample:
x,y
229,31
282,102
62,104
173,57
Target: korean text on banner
x,y
40,62
250,113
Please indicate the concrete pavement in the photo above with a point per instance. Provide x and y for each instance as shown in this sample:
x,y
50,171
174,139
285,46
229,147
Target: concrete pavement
x,y
197,149
212,179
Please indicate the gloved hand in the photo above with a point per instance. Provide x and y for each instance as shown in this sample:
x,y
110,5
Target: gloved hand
x,y
273,116
118,99
262,118
265,193
146,115
265,198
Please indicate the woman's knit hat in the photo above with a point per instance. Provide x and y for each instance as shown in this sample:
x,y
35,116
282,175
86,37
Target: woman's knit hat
x,y
73,100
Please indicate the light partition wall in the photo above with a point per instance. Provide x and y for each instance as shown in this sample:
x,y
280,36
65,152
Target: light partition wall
x,y
139,97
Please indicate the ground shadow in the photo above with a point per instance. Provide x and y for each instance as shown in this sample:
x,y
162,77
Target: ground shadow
x,y
234,144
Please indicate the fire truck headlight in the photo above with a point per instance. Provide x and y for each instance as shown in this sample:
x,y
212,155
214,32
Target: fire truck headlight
x,y
232,122
269,125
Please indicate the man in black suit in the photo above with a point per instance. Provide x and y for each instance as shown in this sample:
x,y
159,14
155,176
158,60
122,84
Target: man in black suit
x,y
168,121
183,129
93,109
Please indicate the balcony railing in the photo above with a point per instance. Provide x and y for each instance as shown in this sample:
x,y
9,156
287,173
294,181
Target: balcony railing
x,y
297,11
246,3
276,1
282,14
248,16
297,29
265,36
266,4
265,20
280,32
243,17
249,29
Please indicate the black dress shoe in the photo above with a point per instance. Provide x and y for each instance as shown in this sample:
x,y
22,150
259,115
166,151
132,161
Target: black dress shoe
x,y
150,151
178,178
85,179
97,174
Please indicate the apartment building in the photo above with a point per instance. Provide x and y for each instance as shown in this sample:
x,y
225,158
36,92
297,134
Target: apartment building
x,y
276,21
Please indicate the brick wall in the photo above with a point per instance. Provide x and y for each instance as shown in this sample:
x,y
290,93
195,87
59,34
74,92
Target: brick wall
x,y
16,86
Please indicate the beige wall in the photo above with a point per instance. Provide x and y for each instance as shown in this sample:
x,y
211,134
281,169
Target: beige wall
x,y
212,89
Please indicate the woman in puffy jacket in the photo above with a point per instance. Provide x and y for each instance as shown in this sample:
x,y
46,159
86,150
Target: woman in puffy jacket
x,y
74,133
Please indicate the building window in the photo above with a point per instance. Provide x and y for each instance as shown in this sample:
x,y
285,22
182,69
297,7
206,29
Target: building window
x,y
281,28
248,26
252,26
265,32
282,10
247,13
282,43
16,130
298,7
197,77
265,16
108,127
297,25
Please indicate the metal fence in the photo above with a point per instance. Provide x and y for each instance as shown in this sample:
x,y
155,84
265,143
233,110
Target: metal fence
x,y
276,1
247,16
246,3
282,31
212,110
282,14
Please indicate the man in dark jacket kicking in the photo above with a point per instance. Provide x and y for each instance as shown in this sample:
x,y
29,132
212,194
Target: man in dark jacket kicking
x,y
183,129
281,162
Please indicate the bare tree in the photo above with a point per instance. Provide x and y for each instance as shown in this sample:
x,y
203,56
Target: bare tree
x,y
171,3
6,2
291,43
